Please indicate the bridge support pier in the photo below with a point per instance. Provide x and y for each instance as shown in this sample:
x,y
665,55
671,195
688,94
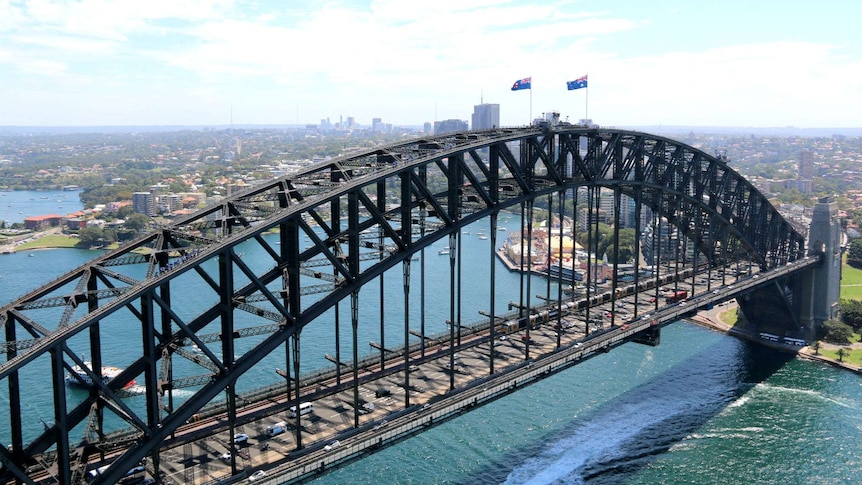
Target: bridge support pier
x,y
651,336
819,289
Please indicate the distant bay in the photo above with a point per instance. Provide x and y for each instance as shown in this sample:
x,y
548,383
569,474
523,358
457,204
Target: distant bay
x,y
15,205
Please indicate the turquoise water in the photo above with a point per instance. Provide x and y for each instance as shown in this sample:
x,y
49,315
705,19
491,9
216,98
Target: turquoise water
x,y
700,408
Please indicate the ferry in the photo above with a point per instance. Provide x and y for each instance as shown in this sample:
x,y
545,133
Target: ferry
x,y
108,373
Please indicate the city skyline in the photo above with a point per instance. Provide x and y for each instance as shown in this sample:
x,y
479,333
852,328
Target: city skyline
x,y
97,63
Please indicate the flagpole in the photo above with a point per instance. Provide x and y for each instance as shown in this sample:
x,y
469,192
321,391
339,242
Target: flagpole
x,y
530,121
587,102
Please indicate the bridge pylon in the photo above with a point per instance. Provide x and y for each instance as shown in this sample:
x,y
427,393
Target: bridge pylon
x,y
821,286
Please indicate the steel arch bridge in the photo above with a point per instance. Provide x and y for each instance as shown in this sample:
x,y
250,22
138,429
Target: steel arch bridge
x,y
363,213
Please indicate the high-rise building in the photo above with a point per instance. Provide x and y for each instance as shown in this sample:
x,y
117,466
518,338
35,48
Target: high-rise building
x,y
144,203
378,126
485,116
449,126
806,165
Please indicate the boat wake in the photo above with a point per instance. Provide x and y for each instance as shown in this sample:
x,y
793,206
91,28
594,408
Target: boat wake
x,y
605,442
631,431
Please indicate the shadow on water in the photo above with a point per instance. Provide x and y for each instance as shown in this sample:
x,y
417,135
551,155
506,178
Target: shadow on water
x,y
610,443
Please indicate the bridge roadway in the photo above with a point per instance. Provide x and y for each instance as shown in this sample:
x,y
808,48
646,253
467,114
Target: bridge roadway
x,y
196,454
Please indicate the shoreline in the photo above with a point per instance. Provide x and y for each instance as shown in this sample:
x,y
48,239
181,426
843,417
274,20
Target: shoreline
x,y
33,238
711,319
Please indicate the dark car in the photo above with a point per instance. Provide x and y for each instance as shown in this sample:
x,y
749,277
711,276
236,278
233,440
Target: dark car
x,y
382,393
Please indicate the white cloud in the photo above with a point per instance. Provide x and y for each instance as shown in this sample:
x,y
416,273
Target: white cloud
x,y
405,61
783,82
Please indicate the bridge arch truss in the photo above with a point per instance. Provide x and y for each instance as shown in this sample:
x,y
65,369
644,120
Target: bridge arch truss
x,y
362,214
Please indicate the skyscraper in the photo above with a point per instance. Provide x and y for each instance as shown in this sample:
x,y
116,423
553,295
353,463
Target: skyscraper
x,y
485,116
806,165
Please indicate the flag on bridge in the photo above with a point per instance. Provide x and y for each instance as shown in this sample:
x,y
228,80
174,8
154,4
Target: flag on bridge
x,y
578,83
521,84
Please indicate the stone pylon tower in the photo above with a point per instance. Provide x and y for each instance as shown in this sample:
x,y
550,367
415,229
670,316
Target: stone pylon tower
x,y
822,285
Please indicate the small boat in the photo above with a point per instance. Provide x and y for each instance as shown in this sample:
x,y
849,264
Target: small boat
x,y
482,236
444,251
80,378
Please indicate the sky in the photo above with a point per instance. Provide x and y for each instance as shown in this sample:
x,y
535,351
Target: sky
x,y
752,63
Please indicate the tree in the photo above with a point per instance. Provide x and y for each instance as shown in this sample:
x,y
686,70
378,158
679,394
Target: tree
x,y
854,253
837,332
851,313
816,346
843,352
90,236
137,221
125,211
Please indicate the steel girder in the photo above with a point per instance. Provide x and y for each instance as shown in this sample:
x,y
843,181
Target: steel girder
x,y
432,186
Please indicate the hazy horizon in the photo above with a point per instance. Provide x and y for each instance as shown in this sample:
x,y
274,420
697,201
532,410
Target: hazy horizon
x,y
719,130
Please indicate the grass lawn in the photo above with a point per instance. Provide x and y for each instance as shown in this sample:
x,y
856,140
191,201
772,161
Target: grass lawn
x,y
854,358
851,283
729,317
56,241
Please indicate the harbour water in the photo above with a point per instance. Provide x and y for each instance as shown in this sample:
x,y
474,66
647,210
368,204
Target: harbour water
x,y
15,205
700,408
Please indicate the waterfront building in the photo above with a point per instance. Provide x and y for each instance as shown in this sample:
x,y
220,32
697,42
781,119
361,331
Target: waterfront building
x,y
38,223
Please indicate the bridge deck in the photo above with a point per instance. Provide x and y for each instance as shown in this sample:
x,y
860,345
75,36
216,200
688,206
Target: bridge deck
x,y
431,400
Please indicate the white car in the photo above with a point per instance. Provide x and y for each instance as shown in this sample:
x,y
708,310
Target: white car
x,y
257,476
332,446
240,438
225,456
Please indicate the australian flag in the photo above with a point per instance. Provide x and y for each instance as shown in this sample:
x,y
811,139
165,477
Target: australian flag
x,y
521,84
578,83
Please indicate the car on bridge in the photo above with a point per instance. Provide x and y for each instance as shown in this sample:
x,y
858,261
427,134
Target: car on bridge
x,y
257,476
383,392
240,438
